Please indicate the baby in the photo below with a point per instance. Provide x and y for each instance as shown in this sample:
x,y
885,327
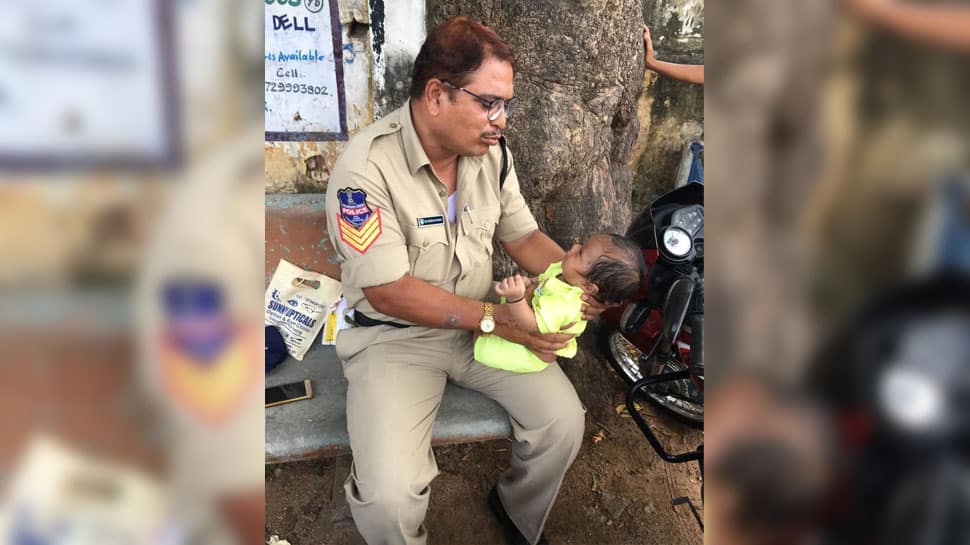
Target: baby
x,y
607,267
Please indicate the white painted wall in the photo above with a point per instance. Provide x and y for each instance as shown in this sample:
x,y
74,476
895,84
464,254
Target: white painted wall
x,y
404,33
364,81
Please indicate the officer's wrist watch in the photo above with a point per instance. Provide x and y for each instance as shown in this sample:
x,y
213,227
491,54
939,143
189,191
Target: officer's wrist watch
x,y
487,325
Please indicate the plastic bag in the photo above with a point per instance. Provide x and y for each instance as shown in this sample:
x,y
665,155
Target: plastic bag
x,y
296,303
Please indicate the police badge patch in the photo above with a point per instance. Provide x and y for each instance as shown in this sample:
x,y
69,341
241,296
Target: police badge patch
x,y
359,225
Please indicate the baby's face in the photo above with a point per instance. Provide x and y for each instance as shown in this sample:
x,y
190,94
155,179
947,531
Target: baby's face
x,y
579,258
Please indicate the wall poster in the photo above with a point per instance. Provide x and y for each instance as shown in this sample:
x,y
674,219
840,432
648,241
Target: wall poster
x,y
304,94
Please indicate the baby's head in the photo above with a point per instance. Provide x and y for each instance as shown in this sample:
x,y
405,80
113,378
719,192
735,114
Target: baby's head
x,y
607,266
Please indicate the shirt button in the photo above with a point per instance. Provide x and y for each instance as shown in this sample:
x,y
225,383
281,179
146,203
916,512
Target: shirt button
x,y
393,125
442,193
487,224
424,244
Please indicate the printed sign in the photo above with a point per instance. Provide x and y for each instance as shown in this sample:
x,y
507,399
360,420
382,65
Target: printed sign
x,y
87,83
304,94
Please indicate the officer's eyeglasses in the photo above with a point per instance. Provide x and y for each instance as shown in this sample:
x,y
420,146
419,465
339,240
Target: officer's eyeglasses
x,y
493,107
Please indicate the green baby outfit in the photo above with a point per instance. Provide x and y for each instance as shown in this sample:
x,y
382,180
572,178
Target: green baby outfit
x,y
556,304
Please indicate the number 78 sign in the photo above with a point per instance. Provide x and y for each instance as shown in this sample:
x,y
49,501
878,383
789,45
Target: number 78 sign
x,y
313,5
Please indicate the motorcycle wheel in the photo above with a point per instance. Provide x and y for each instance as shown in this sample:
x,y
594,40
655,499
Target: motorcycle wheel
x,y
679,398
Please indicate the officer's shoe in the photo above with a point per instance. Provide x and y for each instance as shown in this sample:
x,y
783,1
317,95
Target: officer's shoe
x,y
512,533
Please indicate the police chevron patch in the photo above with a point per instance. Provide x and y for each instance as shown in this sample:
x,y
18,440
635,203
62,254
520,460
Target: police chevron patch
x,y
359,225
363,238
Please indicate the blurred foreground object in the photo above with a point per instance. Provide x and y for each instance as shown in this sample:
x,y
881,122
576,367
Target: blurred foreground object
x,y
889,461
939,23
897,122
896,378
88,84
769,458
200,316
764,63
98,100
876,449
827,127
61,496
943,238
74,235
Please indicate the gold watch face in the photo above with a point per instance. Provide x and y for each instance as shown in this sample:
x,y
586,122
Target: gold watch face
x,y
487,325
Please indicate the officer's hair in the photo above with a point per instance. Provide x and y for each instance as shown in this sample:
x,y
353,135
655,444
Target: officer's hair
x,y
618,272
455,49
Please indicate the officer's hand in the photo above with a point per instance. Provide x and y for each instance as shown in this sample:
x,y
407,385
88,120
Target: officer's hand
x,y
547,357
593,307
543,345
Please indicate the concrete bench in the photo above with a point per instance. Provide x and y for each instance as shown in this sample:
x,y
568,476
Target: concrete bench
x,y
318,427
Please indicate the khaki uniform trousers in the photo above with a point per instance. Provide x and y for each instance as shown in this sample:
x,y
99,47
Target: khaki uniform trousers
x,y
395,389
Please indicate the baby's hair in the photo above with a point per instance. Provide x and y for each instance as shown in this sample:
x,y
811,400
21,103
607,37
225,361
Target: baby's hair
x,y
618,274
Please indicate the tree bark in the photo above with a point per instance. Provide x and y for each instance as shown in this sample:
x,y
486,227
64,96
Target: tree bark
x,y
578,73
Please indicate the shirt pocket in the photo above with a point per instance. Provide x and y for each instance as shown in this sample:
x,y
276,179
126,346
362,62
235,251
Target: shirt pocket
x,y
429,253
479,226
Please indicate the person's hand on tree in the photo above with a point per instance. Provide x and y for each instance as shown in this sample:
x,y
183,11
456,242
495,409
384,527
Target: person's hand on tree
x,y
650,57
512,288
691,73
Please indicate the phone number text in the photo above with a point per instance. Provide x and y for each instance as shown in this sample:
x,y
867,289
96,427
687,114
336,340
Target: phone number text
x,y
301,88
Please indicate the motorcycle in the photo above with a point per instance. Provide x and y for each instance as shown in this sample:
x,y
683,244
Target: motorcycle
x,y
655,342
661,330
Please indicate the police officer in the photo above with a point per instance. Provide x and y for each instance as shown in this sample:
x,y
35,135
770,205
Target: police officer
x,y
414,203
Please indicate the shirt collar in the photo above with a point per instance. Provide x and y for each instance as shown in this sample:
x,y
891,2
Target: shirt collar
x,y
413,150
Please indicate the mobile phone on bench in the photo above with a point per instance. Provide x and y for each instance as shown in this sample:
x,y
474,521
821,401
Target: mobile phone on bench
x,y
288,393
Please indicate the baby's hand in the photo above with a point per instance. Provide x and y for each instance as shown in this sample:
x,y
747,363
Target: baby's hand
x,y
512,288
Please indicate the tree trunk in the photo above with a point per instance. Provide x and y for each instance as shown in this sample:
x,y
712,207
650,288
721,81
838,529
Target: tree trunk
x,y
578,73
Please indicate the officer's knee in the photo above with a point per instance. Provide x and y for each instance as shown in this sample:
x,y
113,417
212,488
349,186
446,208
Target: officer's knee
x,y
388,505
389,496
570,424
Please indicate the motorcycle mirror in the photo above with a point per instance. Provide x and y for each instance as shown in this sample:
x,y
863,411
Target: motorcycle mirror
x,y
675,310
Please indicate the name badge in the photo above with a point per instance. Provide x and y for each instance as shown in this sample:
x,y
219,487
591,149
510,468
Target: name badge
x,y
430,220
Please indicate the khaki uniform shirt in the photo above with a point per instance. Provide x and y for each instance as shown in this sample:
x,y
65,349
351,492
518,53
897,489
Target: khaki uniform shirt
x,y
387,217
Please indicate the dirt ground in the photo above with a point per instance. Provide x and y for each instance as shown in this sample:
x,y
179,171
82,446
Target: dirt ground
x,y
617,492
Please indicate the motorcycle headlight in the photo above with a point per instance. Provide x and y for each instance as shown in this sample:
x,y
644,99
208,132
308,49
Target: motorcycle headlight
x,y
677,242
911,399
